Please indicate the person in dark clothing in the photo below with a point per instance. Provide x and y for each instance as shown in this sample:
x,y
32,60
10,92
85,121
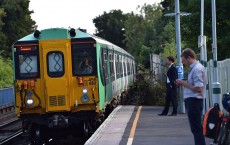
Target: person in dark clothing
x,y
171,88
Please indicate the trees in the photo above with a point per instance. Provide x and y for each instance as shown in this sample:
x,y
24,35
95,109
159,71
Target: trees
x,y
2,35
6,72
16,22
110,26
190,28
149,32
144,33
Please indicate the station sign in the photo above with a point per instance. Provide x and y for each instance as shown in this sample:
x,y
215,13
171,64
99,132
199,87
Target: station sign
x,y
180,71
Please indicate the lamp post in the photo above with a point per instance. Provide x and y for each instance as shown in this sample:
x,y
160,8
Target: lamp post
x,y
215,85
177,14
203,55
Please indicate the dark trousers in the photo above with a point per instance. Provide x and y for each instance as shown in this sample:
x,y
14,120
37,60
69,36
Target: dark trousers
x,y
194,108
170,97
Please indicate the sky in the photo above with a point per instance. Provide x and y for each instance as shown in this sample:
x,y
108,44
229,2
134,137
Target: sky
x,y
78,13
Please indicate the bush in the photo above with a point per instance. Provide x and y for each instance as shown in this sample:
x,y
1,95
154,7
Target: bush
x,y
6,72
145,92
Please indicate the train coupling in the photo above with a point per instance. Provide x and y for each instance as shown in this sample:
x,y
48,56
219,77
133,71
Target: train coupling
x,y
57,121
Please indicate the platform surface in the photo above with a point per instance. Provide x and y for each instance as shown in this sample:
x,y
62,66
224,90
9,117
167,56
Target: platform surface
x,y
125,126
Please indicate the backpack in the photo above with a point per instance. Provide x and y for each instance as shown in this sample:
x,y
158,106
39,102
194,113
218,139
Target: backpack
x,y
212,121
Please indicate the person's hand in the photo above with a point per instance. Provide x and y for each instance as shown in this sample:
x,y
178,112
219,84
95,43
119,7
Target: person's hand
x,y
180,82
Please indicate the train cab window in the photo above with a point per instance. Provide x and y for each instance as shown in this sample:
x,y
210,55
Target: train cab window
x,y
26,58
84,59
55,64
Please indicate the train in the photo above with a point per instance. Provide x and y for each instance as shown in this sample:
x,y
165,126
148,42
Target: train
x,y
54,94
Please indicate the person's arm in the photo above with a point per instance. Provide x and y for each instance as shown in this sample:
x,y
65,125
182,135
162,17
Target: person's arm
x,y
198,87
173,76
191,87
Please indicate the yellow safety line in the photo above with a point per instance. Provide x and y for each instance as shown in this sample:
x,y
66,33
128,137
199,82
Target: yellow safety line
x,y
133,129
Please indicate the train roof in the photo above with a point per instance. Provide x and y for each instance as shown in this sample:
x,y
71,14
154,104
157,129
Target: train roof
x,y
54,33
103,41
63,33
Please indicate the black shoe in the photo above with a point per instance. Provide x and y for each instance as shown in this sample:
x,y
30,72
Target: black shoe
x,y
173,114
162,114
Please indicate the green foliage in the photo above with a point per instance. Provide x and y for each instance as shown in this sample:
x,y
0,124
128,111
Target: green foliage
x,y
150,93
147,92
144,55
110,26
2,15
15,22
2,35
190,26
6,73
142,32
134,34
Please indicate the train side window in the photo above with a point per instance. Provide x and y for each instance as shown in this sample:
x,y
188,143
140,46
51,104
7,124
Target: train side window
x,y
102,71
112,66
120,66
124,66
105,66
110,63
117,65
128,66
55,64
131,67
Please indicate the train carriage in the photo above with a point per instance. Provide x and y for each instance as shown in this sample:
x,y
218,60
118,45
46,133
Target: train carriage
x,y
66,78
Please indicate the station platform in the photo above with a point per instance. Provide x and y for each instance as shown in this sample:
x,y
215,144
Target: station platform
x,y
141,125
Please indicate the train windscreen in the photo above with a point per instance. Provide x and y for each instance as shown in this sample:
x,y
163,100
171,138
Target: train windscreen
x,y
26,57
84,59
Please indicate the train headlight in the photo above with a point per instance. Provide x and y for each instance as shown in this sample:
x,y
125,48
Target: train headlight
x,y
85,98
85,91
28,99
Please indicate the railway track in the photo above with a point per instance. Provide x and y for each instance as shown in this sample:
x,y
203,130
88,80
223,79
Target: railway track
x,y
11,134
10,130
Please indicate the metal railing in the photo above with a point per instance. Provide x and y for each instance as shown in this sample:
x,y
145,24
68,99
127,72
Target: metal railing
x,y
223,71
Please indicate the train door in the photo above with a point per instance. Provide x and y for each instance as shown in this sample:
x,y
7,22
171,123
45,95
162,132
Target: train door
x,y
55,75
110,76
104,74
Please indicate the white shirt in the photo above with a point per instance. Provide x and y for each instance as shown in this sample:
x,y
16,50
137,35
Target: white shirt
x,y
168,81
196,77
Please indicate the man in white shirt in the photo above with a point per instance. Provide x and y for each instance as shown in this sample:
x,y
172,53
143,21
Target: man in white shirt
x,y
194,93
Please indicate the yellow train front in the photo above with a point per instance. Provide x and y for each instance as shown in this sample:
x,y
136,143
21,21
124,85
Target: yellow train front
x,y
54,92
